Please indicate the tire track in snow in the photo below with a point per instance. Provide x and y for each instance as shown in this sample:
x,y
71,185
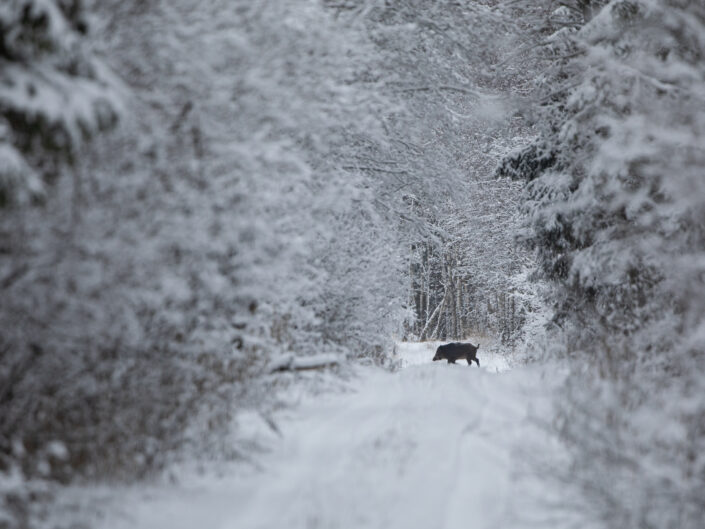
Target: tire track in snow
x,y
457,495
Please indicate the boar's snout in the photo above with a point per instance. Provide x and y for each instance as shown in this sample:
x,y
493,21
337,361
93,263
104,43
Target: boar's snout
x,y
438,356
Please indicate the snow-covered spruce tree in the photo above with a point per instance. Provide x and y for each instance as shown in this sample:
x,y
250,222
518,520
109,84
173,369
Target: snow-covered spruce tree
x,y
54,93
615,205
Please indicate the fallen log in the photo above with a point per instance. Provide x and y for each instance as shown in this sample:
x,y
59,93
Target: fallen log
x,y
291,362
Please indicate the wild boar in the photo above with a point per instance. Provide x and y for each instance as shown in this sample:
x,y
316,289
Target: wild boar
x,y
456,351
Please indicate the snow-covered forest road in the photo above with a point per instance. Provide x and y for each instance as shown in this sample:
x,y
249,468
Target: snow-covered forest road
x,y
432,445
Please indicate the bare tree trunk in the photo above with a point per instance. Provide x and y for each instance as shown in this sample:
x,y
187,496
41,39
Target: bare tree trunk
x,y
435,333
427,312
425,287
447,290
513,316
433,317
465,309
459,332
413,293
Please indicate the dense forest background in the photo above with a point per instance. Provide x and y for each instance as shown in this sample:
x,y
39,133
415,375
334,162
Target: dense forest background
x,y
190,190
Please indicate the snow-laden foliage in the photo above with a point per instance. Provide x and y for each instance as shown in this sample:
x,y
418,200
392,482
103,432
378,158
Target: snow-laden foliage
x,y
615,209
460,220
226,221
54,93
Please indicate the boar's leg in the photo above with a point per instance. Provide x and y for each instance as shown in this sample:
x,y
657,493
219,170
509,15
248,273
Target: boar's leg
x,y
470,359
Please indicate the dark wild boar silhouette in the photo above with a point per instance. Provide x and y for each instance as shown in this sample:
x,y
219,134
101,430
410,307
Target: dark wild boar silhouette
x,y
456,351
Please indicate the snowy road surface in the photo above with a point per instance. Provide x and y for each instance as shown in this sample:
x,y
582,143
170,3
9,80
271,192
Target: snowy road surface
x,y
431,446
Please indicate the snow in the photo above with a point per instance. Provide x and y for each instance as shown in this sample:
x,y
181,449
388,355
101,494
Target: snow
x,y
431,445
58,450
416,353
